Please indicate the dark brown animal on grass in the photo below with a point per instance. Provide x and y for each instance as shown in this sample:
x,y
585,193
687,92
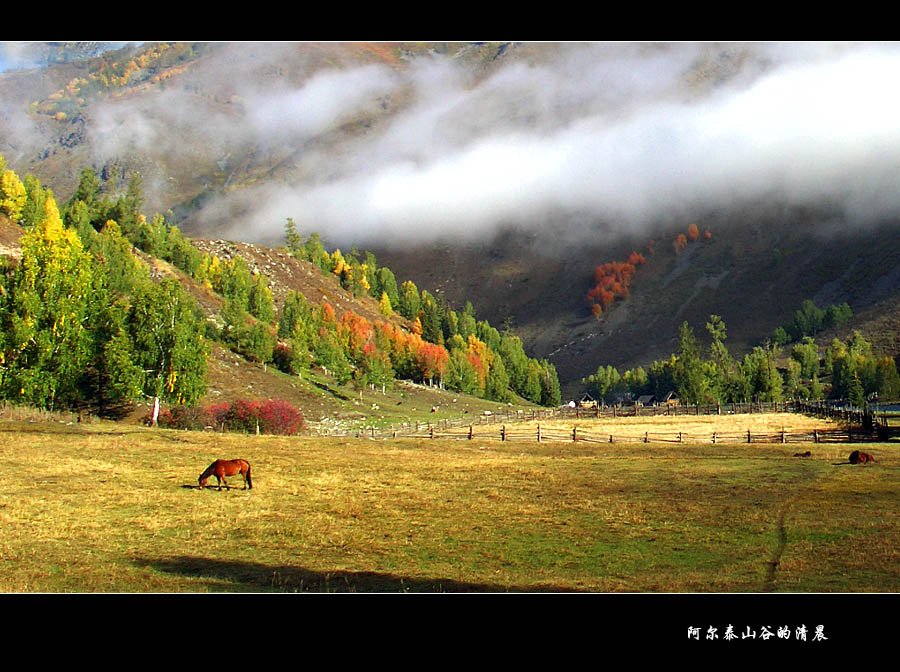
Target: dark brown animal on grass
x,y
806,454
222,468
859,457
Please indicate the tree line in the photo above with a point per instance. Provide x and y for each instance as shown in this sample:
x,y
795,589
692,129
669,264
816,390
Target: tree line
x,y
84,325
809,320
444,347
715,376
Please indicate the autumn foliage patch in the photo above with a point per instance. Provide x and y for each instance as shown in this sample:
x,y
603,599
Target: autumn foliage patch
x,y
271,417
693,234
613,280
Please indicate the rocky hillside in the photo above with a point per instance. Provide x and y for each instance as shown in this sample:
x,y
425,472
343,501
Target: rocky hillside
x,y
754,273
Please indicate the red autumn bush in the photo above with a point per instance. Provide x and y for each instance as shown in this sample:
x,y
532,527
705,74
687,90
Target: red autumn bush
x,y
279,417
214,415
242,416
272,417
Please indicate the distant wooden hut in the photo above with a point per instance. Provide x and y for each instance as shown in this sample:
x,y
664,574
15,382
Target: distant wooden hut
x,y
671,399
647,400
587,401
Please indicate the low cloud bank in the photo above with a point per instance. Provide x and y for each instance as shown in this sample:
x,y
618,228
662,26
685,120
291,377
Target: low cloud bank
x,y
626,135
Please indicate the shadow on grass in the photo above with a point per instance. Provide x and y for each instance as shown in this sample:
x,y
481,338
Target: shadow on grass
x,y
240,576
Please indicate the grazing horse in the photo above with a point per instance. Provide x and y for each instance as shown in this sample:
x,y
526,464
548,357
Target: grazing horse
x,y
222,468
859,457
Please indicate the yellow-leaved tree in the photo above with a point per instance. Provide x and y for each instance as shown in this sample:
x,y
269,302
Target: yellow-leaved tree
x,y
46,340
384,305
12,195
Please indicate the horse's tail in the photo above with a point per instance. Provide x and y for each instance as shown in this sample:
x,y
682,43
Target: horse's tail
x,y
249,480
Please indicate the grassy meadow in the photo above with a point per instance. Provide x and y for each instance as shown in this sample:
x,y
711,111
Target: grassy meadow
x,y
100,507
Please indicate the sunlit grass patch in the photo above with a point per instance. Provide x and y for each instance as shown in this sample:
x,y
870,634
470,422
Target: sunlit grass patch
x,y
99,509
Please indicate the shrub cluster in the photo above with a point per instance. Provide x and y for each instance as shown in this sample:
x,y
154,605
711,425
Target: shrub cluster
x,y
271,417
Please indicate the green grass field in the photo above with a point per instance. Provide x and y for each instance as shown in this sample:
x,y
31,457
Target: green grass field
x,y
109,508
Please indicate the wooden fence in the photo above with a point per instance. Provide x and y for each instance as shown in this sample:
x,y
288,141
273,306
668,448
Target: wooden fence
x,y
557,435
857,425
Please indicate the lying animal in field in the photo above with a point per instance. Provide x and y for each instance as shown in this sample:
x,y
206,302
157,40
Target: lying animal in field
x,y
222,468
806,454
859,457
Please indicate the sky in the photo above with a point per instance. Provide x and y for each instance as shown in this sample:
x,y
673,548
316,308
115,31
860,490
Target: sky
x,y
624,135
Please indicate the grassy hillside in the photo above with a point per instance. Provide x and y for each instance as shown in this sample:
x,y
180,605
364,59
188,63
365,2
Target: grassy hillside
x,y
327,406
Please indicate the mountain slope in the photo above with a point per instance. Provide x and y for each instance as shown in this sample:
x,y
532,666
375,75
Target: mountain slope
x,y
754,273
326,405
221,132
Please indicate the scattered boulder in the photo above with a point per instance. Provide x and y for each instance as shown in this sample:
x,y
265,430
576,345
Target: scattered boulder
x,y
859,457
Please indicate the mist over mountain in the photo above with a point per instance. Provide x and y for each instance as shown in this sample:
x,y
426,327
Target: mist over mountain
x,y
440,146
623,140
499,152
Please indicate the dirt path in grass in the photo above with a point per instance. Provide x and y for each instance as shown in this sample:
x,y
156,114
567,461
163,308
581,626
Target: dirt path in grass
x,y
772,564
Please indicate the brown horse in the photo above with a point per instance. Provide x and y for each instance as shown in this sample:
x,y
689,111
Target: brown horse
x,y
222,468
859,457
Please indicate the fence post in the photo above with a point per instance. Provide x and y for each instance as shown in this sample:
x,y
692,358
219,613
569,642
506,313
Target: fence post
x,y
748,436
574,434
503,432
430,432
646,439
815,436
539,433
470,432
680,438
782,434
714,437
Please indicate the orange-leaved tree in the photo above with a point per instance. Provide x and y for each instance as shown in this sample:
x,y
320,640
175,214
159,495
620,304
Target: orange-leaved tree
x,y
612,282
693,232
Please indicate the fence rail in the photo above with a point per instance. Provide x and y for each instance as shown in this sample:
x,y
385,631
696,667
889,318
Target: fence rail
x,y
858,425
576,434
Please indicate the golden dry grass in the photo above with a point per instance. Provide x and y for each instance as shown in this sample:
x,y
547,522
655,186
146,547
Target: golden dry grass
x,y
105,508
661,427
